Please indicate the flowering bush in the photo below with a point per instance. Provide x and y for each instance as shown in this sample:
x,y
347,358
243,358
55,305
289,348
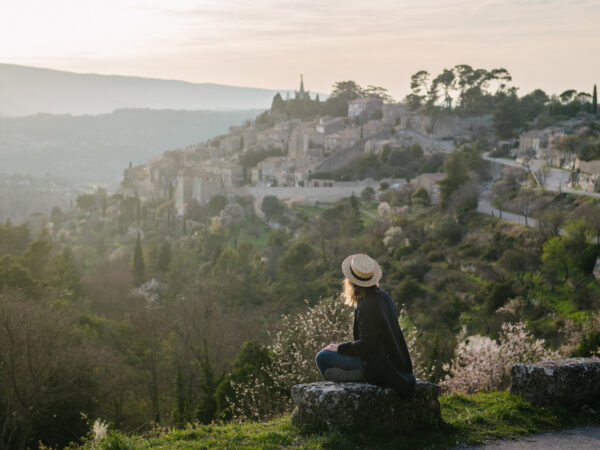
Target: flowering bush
x,y
412,337
481,363
293,351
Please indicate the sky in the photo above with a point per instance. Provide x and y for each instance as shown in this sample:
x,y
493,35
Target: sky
x,y
548,44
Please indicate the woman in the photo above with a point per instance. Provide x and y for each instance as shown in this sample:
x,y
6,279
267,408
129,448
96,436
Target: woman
x,y
378,354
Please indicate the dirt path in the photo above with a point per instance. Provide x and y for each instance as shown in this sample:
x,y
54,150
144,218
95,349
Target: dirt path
x,y
575,439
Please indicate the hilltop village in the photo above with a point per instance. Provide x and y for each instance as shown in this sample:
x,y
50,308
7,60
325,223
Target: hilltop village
x,y
294,158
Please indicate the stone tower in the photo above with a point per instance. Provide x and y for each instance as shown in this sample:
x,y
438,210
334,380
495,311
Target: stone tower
x,y
302,94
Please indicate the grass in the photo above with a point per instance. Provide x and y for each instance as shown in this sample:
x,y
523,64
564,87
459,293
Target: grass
x,y
309,211
469,419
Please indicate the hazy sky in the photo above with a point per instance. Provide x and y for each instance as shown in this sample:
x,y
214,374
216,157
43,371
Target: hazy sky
x,y
552,44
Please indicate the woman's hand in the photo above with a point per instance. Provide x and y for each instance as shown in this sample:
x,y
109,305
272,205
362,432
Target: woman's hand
x,y
331,347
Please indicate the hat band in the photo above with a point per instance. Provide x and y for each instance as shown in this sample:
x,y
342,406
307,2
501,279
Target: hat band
x,y
360,278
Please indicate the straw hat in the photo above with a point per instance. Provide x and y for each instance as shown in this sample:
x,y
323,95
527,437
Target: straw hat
x,y
362,270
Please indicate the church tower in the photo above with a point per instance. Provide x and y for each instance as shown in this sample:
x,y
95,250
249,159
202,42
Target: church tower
x,y
302,94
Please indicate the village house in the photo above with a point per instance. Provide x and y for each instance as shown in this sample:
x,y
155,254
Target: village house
x,y
328,125
586,175
532,140
230,144
342,139
303,139
372,127
270,170
249,138
377,146
136,182
196,184
297,172
231,172
363,108
392,113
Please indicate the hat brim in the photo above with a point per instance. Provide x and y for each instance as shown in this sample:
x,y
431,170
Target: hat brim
x,y
364,283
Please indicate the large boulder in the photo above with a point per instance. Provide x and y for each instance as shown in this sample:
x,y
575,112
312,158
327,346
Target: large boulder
x,y
362,406
568,382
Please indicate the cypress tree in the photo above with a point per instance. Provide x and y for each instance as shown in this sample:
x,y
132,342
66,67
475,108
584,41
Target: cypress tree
x,y
138,261
164,257
207,405
595,102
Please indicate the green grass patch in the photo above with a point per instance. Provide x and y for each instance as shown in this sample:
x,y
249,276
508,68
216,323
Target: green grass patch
x,y
470,419
308,211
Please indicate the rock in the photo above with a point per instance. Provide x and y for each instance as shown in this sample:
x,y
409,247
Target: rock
x,y
362,406
568,382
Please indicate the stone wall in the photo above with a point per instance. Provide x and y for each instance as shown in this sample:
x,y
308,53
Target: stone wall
x,y
568,382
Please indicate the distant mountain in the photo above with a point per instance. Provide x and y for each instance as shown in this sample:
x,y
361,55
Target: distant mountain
x,y
29,90
94,149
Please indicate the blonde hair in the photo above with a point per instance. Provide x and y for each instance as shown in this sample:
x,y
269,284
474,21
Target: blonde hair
x,y
352,294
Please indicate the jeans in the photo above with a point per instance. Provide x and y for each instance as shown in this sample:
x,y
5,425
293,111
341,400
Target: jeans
x,y
327,359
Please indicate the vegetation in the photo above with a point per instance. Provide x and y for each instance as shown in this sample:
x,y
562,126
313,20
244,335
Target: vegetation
x,y
469,419
145,319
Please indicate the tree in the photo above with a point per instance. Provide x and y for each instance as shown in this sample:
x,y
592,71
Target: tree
x,y
278,105
347,90
506,117
446,80
216,205
378,92
525,203
456,176
138,261
271,206
595,101
164,257
208,405
251,361
555,260
367,194
420,197
419,87
568,96
297,272
502,76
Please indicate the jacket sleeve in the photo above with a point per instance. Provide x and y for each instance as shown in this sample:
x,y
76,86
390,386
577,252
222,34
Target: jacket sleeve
x,y
368,328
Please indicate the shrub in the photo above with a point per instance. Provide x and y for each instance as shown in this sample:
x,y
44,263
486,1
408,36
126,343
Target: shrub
x,y
481,363
292,352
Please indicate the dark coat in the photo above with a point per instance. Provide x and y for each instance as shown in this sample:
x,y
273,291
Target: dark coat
x,y
380,344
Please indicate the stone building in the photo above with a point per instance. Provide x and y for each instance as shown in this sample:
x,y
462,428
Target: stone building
x,y
302,94
328,125
196,184
392,113
363,107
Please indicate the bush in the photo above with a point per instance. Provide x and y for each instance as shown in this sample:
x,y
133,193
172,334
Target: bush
x,y
271,206
481,363
292,353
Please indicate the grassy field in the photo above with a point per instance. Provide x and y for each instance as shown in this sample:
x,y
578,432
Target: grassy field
x,y
470,419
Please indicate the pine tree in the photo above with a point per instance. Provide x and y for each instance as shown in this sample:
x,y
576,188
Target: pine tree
x,y
138,261
595,101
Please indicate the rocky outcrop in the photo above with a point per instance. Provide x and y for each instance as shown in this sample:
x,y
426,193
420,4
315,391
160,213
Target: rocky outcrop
x,y
568,382
362,406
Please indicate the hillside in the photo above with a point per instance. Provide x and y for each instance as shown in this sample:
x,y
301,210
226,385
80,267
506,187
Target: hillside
x,y
95,149
30,90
